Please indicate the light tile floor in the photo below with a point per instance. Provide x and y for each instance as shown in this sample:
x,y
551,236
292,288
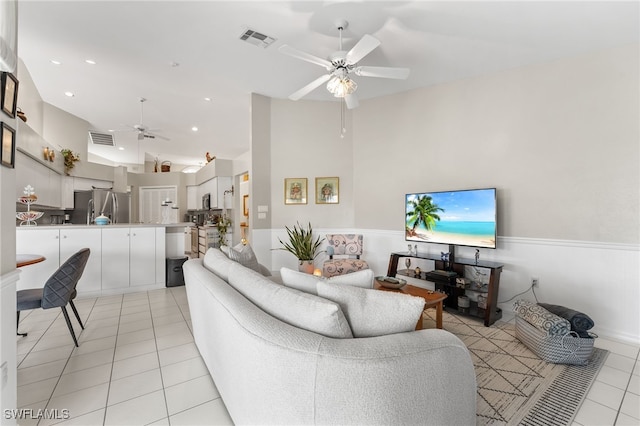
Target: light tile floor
x,y
137,365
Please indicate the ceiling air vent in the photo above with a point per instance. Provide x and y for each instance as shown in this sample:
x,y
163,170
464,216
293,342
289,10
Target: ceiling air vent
x,y
101,138
256,38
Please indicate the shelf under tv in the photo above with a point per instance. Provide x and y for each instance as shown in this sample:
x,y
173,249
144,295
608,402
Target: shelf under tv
x,y
448,283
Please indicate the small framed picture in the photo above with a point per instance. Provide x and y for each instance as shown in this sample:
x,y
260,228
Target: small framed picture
x,y
327,190
8,153
9,94
245,204
295,190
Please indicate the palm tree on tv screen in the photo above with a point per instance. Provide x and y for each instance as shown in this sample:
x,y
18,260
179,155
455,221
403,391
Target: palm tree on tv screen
x,y
423,211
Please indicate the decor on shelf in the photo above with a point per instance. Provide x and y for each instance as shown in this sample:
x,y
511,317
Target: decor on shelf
x,y
49,154
9,94
21,115
295,190
165,166
8,138
327,190
29,217
223,225
70,160
209,157
302,245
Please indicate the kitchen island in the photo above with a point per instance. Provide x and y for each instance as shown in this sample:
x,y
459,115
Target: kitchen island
x,y
125,257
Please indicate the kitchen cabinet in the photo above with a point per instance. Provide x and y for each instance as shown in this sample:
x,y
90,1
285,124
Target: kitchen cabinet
x,y
122,258
115,258
143,256
193,201
45,242
216,187
57,245
75,239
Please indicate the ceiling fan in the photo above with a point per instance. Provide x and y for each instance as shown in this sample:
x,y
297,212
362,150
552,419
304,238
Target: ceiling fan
x,y
143,131
340,65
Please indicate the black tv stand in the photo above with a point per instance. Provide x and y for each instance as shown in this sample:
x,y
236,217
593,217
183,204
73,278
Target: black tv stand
x,y
444,278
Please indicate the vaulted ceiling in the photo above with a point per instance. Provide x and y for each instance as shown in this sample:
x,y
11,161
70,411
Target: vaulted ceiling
x,y
177,53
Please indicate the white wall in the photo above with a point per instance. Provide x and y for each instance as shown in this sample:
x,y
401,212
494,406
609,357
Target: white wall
x,y
559,141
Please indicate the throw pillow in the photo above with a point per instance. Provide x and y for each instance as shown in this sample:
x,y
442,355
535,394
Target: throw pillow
x,y
294,307
540,318
374,312
244,255
216,262
307,283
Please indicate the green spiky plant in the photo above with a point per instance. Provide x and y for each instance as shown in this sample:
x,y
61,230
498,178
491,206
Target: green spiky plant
x,y
301,243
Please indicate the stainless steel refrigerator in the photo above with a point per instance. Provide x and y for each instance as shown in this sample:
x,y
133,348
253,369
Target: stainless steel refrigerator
x,y
92,203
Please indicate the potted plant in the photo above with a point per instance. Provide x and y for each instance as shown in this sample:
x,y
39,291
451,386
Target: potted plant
x,y
70,159
223,225
302,245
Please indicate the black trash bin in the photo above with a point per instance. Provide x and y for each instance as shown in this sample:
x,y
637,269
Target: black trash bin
x,y
175,277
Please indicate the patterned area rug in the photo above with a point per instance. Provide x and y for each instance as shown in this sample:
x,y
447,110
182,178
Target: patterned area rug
x,y
515,386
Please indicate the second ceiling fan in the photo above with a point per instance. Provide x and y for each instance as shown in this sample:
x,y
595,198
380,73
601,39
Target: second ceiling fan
x,y
340,65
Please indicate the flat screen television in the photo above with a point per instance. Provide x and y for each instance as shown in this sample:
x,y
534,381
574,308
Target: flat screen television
x,y
461,218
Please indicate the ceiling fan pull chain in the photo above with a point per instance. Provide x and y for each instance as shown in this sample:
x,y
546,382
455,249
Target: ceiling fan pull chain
x,y
343,127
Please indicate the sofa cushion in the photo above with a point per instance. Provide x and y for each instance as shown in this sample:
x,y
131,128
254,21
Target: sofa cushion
x,y
218,263
294,307
244,255
307,283
373,312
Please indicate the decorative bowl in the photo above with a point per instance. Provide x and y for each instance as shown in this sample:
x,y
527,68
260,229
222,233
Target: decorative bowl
x,y
30,199
390,282
102,220
28,218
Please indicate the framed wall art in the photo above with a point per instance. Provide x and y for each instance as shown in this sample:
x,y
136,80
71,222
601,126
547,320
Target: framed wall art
x,y
327,190
8,152
295,190
245,204
9,94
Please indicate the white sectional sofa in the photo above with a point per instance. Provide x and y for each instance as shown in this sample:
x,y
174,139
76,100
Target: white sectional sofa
x,y
271,372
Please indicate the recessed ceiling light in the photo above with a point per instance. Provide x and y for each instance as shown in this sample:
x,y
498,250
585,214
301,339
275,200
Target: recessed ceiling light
x,y
90,61
121,148
207,99
56,62
69,94
194,128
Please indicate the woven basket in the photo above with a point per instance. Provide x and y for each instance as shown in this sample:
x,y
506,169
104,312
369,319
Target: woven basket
x,y
165,166
567,349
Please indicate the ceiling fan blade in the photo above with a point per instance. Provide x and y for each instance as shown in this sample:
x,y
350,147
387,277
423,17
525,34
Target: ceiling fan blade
x,y
351,101
288,50
310,87
362,48
383,72
140,136
155,135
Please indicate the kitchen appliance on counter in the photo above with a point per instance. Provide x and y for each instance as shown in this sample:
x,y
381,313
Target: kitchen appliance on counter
x,y
95,202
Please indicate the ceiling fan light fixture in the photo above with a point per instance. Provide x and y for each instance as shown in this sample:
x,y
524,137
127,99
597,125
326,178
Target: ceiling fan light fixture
x,y
341,86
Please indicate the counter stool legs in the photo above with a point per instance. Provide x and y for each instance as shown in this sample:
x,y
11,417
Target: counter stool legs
x,y
18,322
75,311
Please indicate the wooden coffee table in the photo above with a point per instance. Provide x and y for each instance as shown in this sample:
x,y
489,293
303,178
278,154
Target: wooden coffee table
x,y
432,299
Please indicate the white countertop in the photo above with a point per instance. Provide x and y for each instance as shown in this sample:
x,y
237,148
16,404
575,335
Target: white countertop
x,y
117,225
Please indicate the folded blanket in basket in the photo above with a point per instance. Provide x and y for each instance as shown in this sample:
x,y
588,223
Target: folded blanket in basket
x,y
580,322
541,318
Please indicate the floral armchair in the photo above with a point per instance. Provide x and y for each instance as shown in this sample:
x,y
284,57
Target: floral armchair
x,y
347,249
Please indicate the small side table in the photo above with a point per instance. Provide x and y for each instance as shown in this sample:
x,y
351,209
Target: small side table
x,y
432,299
